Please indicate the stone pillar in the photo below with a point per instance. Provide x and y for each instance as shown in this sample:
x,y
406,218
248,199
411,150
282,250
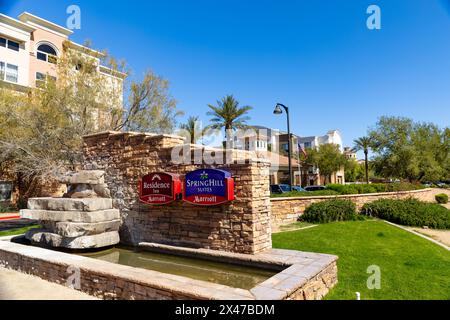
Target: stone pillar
x,y
240,226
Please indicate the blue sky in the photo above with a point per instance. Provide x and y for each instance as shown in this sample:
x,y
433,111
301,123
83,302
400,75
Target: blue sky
x,y
317,57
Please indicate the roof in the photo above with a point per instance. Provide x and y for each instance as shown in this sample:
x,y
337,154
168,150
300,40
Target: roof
x,y
27,17
16,23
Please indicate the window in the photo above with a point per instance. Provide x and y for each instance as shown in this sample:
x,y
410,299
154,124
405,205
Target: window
x,y
308,145
12,73
42,78
2,70
13,45
46,53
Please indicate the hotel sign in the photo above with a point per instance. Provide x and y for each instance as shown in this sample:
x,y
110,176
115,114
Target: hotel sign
x,y
159,188
208,187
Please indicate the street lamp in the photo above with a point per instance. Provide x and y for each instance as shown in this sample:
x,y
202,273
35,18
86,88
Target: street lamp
x,y
279,111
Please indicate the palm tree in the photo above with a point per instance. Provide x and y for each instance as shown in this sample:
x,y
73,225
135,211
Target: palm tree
x,y
192,127
229,115
364,144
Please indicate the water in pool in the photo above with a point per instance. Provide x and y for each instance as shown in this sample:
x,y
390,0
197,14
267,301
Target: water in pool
x,y
227,274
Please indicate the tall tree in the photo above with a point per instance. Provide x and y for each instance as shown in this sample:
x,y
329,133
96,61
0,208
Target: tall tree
x,y
229,115
364,144
192,129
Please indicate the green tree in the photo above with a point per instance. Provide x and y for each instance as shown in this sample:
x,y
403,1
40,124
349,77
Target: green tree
x,y
228,115
328,158
364,144
353,170
191,129
408,150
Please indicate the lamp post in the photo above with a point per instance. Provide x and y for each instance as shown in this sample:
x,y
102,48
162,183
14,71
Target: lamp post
x,y
278,111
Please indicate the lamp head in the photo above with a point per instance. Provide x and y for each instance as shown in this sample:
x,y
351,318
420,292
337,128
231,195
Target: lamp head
x,y
278,109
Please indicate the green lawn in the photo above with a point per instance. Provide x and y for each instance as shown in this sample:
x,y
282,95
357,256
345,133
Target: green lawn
x,y
411,267
15,232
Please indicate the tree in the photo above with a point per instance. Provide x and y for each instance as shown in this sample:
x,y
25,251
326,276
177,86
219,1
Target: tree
x,y
150,107
354,171
41,131
328,158
409,150
364,144
191,129
229,115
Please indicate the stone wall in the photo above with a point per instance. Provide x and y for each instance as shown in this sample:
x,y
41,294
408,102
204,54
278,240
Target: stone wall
x,y
287,210
241,226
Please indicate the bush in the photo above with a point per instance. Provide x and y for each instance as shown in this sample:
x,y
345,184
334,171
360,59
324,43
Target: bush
x,y
329,211
442,198
409,212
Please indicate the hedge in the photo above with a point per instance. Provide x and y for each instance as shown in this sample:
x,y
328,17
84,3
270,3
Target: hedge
x,y
410,212
373,188
442,198
329,211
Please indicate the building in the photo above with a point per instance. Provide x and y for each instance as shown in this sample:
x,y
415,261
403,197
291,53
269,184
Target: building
x,y
273,144
29,51
350,153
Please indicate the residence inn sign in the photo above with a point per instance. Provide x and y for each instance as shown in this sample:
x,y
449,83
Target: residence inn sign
x,y
159,188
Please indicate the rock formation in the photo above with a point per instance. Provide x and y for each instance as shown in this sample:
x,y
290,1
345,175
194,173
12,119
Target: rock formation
x,y
83,219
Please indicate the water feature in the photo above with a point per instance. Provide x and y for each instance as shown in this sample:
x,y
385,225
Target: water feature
x,y
222,273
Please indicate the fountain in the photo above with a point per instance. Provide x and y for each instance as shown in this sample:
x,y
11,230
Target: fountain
x,y
83,218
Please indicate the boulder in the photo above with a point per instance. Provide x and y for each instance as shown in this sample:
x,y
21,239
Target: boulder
x,y
84,177
44,238
77,229
102,190
71,216
69,204
81,190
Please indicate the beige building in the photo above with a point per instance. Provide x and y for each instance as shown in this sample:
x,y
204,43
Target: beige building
x,y
29,51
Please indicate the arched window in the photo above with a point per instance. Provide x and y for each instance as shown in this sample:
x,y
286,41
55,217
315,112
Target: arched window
x,y
46,53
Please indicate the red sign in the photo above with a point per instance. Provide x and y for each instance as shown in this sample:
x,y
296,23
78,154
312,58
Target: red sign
x,y
159,188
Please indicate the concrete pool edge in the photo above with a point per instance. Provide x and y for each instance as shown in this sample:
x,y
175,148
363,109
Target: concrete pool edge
x,y
310,280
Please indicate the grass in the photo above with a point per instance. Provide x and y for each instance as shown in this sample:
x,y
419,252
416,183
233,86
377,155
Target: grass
x,y
411,267
15,232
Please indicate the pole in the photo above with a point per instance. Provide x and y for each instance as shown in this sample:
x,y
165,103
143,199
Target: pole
x,y
289,148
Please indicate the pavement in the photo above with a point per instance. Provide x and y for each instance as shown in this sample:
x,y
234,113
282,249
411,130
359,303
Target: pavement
x,y
19,286
9,216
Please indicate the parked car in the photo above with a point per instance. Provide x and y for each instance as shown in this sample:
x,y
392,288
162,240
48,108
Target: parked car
x,y
283,188
441,184
428,184
315,188
279,188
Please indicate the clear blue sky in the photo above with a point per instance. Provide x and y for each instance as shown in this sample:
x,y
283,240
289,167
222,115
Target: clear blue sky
x,y
317,57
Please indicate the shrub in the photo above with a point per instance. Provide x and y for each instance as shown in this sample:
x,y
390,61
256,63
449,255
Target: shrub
x,y
372,188
409,212
442,198
329,211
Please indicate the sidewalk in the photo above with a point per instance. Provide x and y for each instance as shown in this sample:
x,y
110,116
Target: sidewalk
x,y
18,286
9,216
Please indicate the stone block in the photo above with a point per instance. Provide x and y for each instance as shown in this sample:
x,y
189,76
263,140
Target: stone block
x,y
48,239
71,216
68,204
76,229
85,176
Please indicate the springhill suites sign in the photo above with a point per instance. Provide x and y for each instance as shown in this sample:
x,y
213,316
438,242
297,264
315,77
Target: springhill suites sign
x,y
208,187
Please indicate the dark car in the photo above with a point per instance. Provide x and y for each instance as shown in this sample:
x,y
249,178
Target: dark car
x,y
315,188
298,189
279,188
